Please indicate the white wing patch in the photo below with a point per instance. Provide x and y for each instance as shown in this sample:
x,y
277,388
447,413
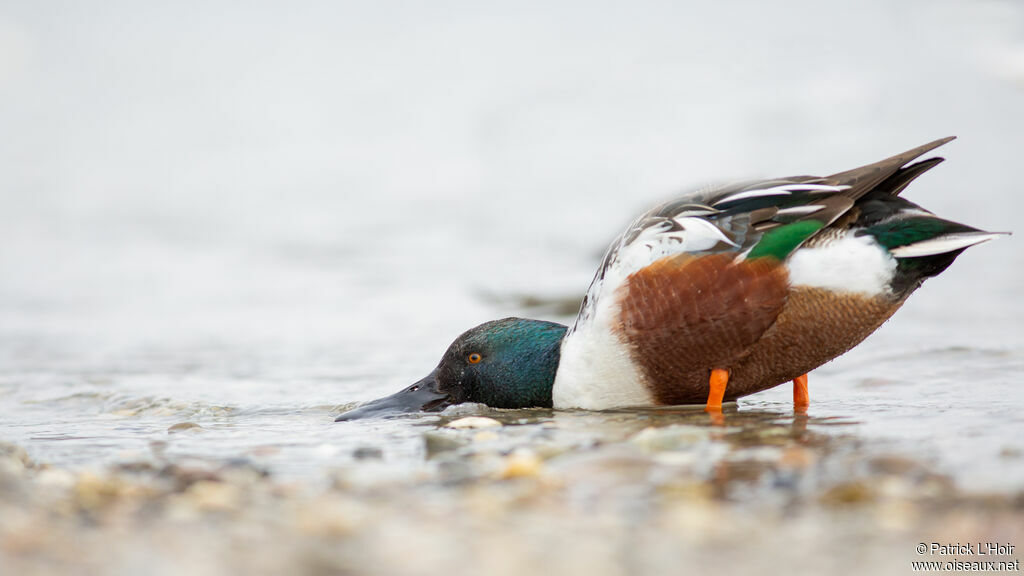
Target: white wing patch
x,y
782,190
753,194
703,234
800,210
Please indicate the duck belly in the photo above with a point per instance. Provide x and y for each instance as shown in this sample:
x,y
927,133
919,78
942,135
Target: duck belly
x,y
840,292
815,326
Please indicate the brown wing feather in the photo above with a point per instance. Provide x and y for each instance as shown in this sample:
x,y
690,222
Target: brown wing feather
x,y
684,315
864,179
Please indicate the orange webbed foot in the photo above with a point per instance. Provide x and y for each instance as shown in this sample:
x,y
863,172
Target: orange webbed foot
x,y
716,391
801,398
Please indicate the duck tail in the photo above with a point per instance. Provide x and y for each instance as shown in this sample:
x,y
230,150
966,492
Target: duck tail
x,y
915,233
896,183
893,172
924,245
945,243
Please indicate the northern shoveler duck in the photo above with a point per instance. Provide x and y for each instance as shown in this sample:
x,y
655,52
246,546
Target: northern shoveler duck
x,y
714,296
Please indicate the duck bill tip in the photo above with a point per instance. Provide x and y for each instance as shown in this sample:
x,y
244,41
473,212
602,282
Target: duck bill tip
x,y
422,396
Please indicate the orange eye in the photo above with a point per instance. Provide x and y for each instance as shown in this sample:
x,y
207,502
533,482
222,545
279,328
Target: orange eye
x,y
475,358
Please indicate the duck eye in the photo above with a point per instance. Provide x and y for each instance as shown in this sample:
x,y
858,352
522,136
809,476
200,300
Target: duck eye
x,y
475,358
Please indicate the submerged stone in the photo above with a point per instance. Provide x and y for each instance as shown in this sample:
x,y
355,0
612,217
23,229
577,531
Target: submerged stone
x,y
184,427
473,422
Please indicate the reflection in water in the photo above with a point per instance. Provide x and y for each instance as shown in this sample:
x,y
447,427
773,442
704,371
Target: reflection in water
x,y
749,453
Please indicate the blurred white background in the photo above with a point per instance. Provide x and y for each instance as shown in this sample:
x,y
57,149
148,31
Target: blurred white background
x,y
354,177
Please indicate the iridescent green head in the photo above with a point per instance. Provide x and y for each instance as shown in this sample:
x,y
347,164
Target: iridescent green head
x,y
509,363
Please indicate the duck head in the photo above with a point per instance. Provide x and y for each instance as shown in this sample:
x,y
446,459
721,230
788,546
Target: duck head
x,y
509,363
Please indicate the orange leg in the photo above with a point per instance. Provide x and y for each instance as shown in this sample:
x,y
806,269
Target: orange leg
x,y
719,378
801,399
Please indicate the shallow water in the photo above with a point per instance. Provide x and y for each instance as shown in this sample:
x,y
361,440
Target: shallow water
x,y
922,403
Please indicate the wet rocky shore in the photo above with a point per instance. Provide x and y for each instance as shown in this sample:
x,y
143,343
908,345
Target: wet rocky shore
x,y
512,492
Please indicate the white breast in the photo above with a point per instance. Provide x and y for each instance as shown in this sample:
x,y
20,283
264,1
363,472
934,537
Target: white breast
x,y
595,371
